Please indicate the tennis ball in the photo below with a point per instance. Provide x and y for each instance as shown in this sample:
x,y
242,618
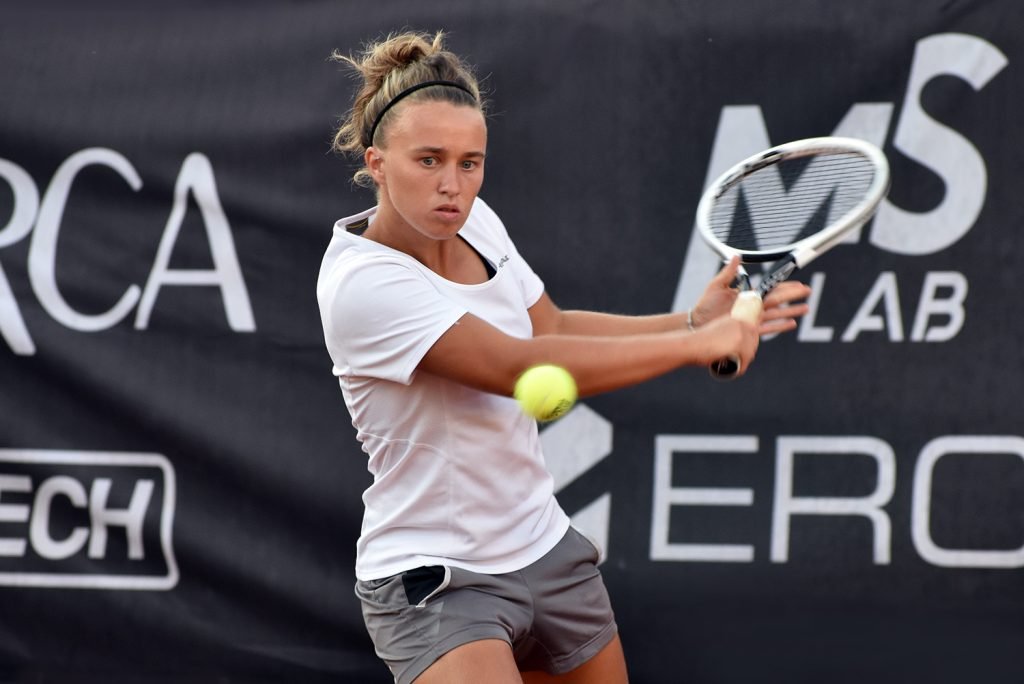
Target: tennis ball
x,y
546,392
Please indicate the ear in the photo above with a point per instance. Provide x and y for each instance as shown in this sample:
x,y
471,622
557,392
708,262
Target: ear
x,y
374,164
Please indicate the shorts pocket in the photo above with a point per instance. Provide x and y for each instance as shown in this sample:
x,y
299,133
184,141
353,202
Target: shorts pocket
x,y
379,593
423,583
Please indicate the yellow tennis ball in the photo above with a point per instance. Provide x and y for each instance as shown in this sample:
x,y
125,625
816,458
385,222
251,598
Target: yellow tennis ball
x,y
546,392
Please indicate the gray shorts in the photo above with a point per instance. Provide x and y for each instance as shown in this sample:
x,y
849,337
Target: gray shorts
x,y
555,613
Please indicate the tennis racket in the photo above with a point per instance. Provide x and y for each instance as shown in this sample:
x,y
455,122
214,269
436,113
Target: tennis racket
x,y
788,205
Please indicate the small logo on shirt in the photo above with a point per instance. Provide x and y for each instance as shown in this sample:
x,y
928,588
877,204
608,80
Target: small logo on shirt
x,y
502,261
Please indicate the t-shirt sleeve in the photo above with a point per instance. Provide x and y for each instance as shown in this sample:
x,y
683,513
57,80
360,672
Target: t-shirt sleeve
x,y
382,319
529,282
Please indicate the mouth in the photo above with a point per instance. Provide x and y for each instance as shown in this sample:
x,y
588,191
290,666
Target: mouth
x,y
448,211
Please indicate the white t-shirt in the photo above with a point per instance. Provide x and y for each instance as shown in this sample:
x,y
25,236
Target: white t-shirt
x,y
459,477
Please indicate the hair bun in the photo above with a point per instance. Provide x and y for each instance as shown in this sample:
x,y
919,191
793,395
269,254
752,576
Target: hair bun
x,y
389,67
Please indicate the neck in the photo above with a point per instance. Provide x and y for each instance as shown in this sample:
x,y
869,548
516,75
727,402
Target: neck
x,y
453,259
390,229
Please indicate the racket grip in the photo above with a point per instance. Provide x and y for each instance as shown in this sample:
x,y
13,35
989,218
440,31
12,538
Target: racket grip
x,y
747,307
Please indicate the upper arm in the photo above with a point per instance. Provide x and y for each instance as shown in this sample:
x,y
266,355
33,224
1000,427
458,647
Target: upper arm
x,y
545,316
475,353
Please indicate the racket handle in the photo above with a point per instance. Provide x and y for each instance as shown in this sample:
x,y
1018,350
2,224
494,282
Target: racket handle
x,y
747,307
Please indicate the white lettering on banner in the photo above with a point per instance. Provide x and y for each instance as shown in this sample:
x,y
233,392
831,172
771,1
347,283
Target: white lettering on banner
x,y
13,513
931,304
83,481
195,178
45,545
870,506
786,505
42,254
39,530
952,157
949,154
666,496
884,292
921,514
948,309
130,518
23,215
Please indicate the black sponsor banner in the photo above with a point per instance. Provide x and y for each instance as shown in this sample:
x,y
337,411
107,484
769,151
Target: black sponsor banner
x,y
179,482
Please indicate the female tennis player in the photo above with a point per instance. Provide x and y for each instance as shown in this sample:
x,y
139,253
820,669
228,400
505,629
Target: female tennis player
x,y
467,568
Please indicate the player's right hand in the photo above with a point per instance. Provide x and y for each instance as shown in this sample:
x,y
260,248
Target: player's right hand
x,y
726,337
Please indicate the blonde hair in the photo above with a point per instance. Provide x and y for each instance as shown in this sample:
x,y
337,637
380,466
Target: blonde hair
x,y
388,69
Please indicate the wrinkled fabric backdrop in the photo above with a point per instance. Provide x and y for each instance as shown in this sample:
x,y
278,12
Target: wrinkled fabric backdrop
x,y
179,480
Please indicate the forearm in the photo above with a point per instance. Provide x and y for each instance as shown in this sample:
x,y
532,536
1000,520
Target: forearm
x,y
475,353
607,362
593,323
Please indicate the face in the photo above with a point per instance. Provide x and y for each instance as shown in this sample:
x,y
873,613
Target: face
x,y
430,167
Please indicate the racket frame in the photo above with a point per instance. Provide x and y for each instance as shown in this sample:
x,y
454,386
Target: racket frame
x,y
796,255
803,251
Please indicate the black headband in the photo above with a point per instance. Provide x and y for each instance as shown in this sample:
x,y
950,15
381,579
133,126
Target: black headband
x,y
409,91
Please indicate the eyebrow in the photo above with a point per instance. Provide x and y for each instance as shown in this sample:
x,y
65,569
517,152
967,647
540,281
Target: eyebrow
x,y
439,150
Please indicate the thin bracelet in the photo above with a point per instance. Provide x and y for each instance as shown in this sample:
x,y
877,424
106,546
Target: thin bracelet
x,y
689,321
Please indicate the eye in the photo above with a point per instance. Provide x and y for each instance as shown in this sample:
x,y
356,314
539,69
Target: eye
x,y
429,161
469,165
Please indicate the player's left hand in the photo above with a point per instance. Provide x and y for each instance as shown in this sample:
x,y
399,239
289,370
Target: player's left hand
x,y
781,305
718,296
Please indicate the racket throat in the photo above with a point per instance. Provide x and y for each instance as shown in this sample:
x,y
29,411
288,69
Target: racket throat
x,y
742,279
779,271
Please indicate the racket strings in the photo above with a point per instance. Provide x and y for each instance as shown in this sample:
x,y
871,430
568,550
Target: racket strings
x,y
782,203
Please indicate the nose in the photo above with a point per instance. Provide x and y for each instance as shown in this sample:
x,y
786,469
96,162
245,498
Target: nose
x,y
448,182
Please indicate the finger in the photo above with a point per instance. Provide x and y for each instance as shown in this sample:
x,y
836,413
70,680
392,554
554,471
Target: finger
x,y
777,325
786,293
728,272
789,311
789,290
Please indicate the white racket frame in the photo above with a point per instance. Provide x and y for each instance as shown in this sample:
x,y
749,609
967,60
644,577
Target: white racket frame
x,y
806,250
797,254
